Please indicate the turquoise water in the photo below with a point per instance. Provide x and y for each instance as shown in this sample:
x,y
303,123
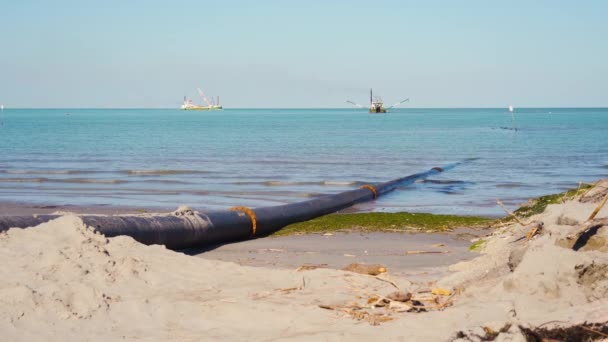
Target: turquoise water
x,y
258,157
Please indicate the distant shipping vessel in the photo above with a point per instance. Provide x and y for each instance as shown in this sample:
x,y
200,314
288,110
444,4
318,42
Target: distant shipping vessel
x,y
376,105
211,104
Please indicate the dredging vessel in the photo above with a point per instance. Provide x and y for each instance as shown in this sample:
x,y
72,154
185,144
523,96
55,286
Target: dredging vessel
x,y
376,104
211,104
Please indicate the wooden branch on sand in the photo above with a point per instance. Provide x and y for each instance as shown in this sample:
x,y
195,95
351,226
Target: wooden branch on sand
x,y
598,208
499,202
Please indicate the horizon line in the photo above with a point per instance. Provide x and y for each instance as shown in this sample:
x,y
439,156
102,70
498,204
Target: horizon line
x,y
304,108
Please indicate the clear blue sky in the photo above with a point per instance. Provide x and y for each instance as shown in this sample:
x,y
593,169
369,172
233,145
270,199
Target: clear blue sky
x,y
316,53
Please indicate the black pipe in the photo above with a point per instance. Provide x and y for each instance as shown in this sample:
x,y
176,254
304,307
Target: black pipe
x,y
188,229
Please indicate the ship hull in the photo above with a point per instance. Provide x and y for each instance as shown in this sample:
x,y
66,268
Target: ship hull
x,y
203,108
377,111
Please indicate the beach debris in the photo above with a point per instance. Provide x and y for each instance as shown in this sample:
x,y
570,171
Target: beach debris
x,y
308,267
399,296
356,312
441,291
328,234
535,230
598,208
377,308
399,306
388,281
373,270
426,252
500,204
271,250
437,245
350,255
485,333
289,289
183,210
579,332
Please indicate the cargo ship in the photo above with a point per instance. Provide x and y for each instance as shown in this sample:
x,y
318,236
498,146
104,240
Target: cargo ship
x,y
211,104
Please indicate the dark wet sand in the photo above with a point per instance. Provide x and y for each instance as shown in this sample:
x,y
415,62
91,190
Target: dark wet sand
x,y
340,249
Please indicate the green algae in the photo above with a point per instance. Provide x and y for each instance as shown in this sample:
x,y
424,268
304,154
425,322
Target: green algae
x,y
384,222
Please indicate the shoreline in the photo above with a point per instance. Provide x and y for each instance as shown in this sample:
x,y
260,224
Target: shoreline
x,y
19,208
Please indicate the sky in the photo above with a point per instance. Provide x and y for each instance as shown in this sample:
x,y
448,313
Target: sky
x,y
314,53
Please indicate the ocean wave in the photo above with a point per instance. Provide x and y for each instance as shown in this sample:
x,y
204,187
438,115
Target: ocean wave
x,y
23,180
163,172
445,181
69,180
296,183
89,181
341,183
48,172
310,162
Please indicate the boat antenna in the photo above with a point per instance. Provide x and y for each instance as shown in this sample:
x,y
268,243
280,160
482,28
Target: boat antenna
x,y
371,99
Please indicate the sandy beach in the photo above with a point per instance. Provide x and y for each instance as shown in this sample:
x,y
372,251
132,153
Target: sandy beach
x,y
304,171
63,280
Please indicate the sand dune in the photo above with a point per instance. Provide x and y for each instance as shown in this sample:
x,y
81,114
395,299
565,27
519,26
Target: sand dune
x,y
62,281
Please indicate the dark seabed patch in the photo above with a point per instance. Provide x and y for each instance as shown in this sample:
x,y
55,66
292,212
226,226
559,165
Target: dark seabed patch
x,y
512,185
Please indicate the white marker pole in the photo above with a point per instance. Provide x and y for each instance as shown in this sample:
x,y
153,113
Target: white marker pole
x,y
512,118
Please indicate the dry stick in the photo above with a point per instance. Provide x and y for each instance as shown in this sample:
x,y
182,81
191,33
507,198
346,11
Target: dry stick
x,y
533,232
593,330
509,213
599,207
593,186
388,281
563,198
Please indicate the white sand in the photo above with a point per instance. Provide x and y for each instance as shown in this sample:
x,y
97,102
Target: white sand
x,y
61,281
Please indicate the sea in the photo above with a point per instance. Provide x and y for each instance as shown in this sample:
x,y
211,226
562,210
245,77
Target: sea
x,y
163,158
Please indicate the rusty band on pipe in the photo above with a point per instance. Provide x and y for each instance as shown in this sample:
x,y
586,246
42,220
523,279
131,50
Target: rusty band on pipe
x,y
251,215
437,168
371,188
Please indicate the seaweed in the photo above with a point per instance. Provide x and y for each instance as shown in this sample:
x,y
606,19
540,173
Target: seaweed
x,y
385,222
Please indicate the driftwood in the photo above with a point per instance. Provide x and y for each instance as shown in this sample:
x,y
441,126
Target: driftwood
x,y
598,208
